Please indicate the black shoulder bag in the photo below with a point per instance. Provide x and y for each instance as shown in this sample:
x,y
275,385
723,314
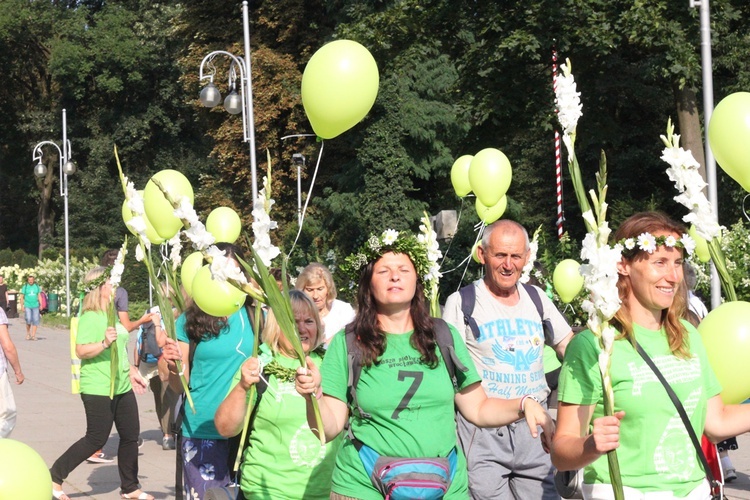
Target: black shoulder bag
x,y
715,485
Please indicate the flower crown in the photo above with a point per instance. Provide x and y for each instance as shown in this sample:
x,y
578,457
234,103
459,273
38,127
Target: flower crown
x,y
416,247
648,243
90,286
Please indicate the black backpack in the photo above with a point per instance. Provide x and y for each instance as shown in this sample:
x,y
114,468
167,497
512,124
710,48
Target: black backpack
x,y
443,338
469,297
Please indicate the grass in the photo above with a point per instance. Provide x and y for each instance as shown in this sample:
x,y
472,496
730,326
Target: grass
x,y
55,320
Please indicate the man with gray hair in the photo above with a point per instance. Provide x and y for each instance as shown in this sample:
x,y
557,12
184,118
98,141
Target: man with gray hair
x,y
505,325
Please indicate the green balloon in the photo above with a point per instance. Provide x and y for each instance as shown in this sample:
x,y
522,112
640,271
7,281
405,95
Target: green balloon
x,y
151,233
224,224
567,280
158,210
339,86
729,136
491,214
189,269
23,473
490,175
215,297
726,336
460,175
701,245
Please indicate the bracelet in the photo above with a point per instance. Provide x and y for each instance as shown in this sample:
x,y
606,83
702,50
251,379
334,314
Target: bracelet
x,y
104,346
523,400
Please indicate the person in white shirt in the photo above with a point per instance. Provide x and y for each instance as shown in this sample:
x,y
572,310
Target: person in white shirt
x,y
316,281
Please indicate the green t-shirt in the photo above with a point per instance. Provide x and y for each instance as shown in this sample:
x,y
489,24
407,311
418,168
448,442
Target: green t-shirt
x,y
412,409
30,295
655,453
285,459
95,372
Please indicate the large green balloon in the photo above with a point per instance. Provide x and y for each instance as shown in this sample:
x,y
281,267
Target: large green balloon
x,y
151,233
224,224
339,86
491,214
190,267
490,175
726,335
729,136
158,210
23,473
215,297
567,279
460,175
701,245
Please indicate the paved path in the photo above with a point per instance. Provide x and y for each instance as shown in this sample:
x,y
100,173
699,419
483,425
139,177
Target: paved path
x,y
50,419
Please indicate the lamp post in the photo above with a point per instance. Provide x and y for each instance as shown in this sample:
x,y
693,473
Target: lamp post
x,y
235,103
708,108
67,167
299,160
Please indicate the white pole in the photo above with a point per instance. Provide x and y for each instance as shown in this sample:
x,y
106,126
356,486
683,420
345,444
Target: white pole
x,y
64,188
249,100
708,108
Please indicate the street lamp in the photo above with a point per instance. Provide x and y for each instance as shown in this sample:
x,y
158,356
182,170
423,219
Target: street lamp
x,y
235,102
67,167
299,160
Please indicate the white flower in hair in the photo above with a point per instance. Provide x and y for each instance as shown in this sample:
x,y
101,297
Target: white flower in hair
x,y
390,236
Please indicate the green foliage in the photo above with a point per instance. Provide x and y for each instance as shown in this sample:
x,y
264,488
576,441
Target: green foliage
x,y
734,243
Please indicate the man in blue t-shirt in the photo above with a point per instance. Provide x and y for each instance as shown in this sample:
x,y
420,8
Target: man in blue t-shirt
x,y
30,302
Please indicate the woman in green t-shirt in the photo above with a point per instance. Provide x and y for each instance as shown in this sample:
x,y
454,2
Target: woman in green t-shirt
x,y
405,392
655,452
94,346
283,459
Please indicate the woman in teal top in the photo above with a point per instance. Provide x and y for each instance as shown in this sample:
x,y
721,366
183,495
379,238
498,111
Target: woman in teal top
x,y
283,460
657,458
221,346
404,385
94,345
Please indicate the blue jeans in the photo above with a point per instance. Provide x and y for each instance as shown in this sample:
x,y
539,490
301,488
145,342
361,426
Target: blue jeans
x,y
32,315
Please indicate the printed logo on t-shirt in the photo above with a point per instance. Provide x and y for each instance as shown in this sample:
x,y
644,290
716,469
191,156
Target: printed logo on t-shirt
x,y
512,364
674,456
305,449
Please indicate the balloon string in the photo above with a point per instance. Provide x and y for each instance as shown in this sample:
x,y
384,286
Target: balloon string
x,y
309,195
458,220
744,212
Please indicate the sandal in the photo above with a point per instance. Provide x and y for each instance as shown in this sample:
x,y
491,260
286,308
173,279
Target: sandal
x,y
137,494
59,494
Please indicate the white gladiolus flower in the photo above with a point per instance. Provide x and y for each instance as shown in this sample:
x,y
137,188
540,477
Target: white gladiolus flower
x,y
568,101
139,255
262,225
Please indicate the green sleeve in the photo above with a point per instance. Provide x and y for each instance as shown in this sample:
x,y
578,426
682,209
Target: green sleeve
x,y
470,376
335,369
580,380
92,327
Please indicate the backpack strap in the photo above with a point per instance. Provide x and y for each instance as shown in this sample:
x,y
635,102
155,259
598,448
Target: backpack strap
x,y
549,333
468,298
354,360
444,340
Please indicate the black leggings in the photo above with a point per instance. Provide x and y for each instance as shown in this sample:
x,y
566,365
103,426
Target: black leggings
x,y
101,413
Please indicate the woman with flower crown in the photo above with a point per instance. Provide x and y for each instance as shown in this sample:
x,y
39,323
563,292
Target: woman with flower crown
x,y
404,390
656,455
94,345
283,459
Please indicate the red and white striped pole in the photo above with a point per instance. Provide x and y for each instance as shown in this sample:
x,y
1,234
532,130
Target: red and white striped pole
x,y
558,158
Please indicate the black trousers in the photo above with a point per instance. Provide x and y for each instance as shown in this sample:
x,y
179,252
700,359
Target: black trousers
x,y
101,413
